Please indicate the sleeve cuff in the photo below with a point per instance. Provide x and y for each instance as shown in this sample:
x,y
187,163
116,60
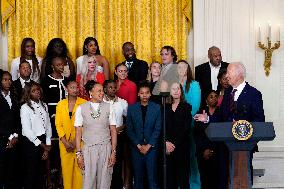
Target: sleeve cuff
x,y
12,136
207,121
37,142
48,141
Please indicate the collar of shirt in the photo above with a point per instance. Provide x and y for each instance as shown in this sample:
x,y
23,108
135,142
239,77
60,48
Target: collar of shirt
x,y
107,100
128,64
214,67
240,88
24,81
8,98
35,104
124,82
4,94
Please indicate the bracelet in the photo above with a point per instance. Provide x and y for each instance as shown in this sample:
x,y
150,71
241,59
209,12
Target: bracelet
x,y
79,154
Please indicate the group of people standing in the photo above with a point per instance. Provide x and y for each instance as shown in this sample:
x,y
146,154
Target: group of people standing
x,y
73,123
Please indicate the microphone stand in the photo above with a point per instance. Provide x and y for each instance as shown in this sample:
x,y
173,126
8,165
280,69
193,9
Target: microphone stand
x,y
164,96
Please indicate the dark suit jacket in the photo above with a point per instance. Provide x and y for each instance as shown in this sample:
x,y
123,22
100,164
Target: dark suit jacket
x,y
18,88
138,71
249,107
152,126
203,76
9,118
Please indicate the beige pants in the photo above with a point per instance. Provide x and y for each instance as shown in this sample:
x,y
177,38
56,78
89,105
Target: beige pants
x,y
97,174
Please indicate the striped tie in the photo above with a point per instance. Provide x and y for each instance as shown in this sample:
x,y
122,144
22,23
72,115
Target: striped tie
x,y
232,101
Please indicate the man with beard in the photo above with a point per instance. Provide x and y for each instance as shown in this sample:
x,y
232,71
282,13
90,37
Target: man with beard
x,y
206,73
137,69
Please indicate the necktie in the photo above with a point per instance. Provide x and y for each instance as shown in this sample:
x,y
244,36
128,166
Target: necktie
x,y
25,83
128,65
232,101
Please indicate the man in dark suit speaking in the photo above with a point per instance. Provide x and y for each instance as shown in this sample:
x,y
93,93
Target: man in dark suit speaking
x,y
206,73
241,102
137,69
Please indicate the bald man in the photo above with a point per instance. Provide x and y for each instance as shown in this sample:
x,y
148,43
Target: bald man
x,y
241,102
206,73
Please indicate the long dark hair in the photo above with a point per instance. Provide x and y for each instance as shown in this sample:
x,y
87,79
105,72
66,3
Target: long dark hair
x,y
189,75
87,41
26,98
50,54
35,62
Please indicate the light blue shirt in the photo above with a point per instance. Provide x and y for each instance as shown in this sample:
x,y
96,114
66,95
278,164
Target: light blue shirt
x,y
193,96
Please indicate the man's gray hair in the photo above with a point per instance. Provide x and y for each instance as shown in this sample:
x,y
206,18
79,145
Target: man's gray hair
x,y
240,68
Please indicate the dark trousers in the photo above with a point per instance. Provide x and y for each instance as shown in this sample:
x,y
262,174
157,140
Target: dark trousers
x,y
208,172
8,165
144,165
116,181
178,168
34,166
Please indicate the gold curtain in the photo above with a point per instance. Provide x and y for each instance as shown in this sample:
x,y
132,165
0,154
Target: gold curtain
x,y
149,24
7,9
71,20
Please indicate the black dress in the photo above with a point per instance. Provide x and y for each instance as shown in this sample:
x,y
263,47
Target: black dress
x,y
213,172
54,91
177,132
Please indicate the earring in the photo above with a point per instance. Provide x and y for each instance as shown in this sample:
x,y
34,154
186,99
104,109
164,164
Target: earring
x,y
91,96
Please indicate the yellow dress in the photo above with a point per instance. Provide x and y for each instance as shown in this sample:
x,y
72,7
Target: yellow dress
x,y
72,177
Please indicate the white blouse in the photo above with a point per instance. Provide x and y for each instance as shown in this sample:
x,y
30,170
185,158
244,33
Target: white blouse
x,y
36,122
119,106
15,69
79,118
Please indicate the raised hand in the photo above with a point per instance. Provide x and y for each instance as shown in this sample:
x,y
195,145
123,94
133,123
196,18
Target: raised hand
x,y
201,117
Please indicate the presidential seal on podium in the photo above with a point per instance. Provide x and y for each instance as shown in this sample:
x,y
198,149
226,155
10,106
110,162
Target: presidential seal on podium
x,y
242,130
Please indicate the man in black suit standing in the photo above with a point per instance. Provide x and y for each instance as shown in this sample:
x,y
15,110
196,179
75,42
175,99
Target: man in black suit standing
x,y
206,73
137,69
25,74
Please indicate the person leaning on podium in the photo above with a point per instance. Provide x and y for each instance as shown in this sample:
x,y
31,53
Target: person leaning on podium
x,y
243,102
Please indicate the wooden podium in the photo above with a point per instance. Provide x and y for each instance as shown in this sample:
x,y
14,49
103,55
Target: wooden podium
x,y
240,149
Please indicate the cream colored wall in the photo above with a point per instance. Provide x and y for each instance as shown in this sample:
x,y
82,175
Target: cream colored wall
x,y
232,25
3,51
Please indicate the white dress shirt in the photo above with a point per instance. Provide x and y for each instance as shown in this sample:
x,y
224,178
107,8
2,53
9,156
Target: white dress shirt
x,y
240,88
8,98
79,118
119,106
15,69
36,122
214,74
23,82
